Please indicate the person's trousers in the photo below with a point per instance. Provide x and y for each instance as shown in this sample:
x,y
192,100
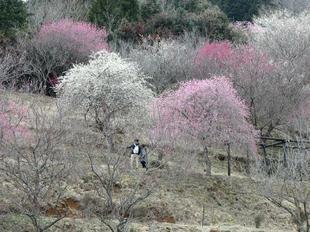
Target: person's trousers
x,y
143,164
134,158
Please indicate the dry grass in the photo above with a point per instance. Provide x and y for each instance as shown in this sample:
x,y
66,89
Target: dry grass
x,y
181,190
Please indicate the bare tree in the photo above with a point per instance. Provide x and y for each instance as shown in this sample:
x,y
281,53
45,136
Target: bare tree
x,y
107,170
273,88
167,62
288,185
13,66
36,165
42,11
295,6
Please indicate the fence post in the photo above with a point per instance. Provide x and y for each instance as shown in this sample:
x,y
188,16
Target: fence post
x,y
285,154
228,159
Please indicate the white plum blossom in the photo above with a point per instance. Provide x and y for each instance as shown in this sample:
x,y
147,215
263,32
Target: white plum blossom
x,y
110,90
284,35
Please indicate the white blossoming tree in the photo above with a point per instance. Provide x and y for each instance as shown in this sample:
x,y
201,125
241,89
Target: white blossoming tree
x,y
109,90
285,37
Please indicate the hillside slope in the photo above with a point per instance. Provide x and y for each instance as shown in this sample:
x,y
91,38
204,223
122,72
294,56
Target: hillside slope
x,y
182,199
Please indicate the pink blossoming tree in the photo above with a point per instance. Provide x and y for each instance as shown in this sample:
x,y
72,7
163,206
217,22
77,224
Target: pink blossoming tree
x,y
270,91
206,113
59,45
79,37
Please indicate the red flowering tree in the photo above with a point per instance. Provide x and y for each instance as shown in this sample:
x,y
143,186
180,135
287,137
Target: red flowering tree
x,y
59,45
205,113
217,51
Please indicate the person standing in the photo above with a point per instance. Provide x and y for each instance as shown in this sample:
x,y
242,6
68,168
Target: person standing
x,y
143,157
135,152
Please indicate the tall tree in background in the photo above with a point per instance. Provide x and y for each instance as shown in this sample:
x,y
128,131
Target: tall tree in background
x,y
294,6
109,13
191,5
177,19
46,11
13,16
241,10
149,8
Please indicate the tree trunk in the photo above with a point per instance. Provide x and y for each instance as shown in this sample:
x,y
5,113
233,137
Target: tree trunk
x,y
285,154
228,160
248,168
207,161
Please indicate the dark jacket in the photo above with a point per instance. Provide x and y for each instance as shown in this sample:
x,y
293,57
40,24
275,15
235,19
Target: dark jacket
x,y
143,155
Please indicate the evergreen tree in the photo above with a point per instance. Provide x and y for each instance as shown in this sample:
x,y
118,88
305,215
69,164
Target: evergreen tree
x,y
13,16
241,10
149,8
194,6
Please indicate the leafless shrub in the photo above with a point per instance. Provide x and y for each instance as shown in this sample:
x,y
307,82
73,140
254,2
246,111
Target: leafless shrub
x,y
36,165
167,62
13,66
114,210
288,185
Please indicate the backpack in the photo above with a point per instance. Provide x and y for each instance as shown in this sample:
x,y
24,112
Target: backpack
x,y
136,149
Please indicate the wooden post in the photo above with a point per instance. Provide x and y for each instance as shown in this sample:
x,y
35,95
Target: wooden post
x,y
285,154
228,159
207,161
247,168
